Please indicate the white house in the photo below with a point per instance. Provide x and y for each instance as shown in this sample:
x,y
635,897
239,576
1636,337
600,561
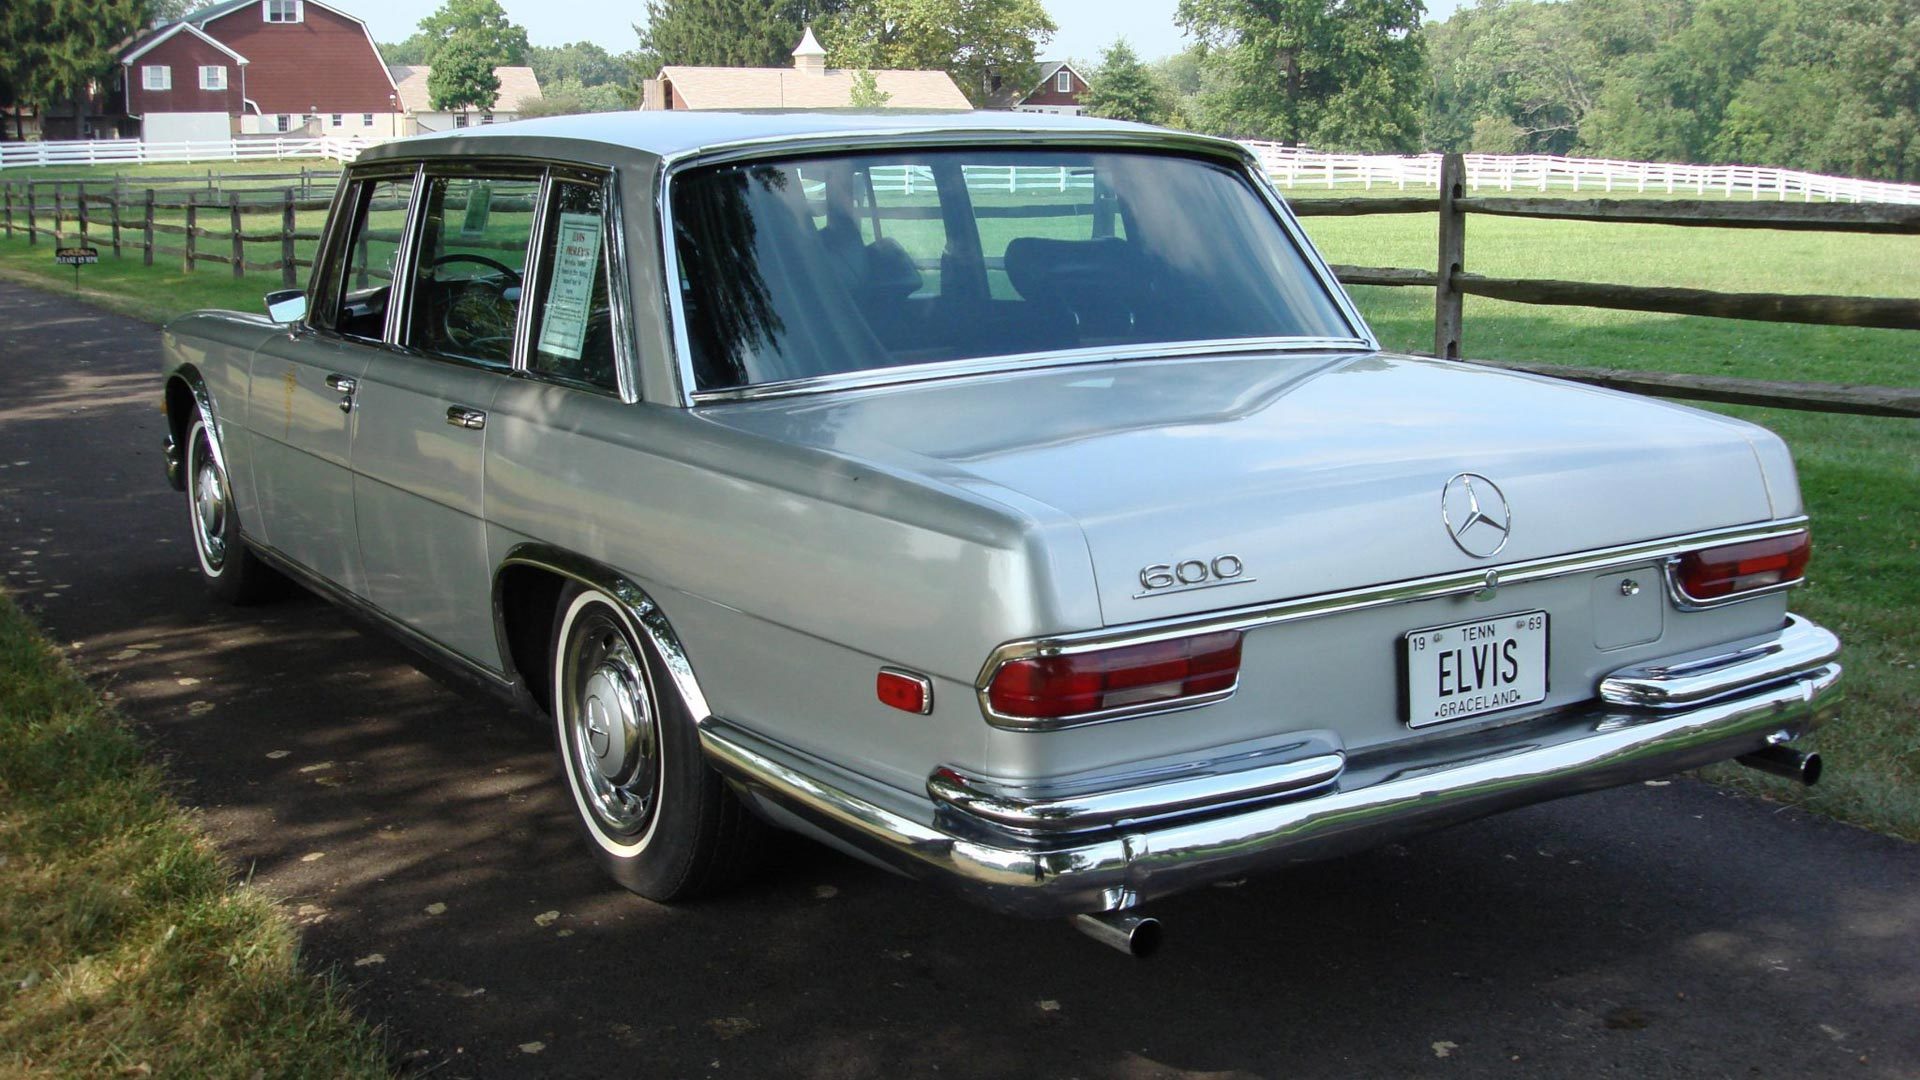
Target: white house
x,y
517,86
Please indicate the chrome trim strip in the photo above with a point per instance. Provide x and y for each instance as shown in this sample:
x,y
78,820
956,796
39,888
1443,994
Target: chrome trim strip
x,y
620,291
1799,647
1458,583
531,264
995,365
1230,152
1099,716
1061,807
1585,750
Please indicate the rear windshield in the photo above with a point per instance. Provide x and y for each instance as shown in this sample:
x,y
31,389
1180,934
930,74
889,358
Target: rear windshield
x,y
827,265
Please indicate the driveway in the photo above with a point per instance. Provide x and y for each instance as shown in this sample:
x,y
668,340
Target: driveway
x,y
421,835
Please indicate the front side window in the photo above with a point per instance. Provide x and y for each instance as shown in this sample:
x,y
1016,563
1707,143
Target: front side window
x,y
281,11
572,314
820,266
213,77
467,274
156,77
359,277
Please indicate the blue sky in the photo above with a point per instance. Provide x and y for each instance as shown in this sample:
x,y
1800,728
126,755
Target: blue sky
x,y
1086,26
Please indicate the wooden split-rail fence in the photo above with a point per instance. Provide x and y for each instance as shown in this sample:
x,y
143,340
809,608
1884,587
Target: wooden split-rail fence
x,y
1452,283
212,223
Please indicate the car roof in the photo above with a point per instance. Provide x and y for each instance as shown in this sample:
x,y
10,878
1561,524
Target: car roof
x,y
676,132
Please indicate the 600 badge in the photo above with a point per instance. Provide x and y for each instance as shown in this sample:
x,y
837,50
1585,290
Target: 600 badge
x,y
1190,574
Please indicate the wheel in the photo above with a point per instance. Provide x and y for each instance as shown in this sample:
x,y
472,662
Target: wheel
x,y
234,573
657,818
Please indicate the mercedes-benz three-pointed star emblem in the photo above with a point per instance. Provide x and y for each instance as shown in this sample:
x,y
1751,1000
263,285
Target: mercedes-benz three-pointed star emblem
x,y
1476,514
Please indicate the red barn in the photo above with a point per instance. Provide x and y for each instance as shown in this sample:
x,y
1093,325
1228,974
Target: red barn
x,y
1058,91
247,67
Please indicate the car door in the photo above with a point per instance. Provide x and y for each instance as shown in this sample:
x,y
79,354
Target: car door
x,y
302,384
422,408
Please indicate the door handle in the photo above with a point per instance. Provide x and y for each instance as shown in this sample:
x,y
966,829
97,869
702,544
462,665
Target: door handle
x,y
462,417
345,386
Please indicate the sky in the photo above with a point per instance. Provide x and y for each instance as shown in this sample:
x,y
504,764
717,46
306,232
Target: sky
x,y
1086,26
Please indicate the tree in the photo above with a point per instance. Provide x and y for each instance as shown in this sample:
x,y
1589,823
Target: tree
x,y
564,97
463,75
416,49
59,50
866,93
1343,74
726,33
580,61
1123,88
484,25
969,40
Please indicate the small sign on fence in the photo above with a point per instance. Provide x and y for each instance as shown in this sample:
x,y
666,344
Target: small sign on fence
x,y
76,257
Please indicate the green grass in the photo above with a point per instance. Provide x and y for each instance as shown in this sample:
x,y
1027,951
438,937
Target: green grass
x,y
170,172
1860,475
126,946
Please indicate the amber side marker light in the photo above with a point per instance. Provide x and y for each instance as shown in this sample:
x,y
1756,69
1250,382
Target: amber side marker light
x,y
1719,573
1128,676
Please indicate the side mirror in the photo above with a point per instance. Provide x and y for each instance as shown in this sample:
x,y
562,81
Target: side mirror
x,y
286,305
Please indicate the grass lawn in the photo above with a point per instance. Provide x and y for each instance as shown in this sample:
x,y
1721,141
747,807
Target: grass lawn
x,y
172,173
1860,475
126,946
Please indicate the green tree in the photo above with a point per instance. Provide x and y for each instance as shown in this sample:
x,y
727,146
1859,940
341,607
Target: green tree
x,y
57,51
1123,88
463,75
482,23
565,96
866,93
969,41
580,61
1339,74
725,33
417,49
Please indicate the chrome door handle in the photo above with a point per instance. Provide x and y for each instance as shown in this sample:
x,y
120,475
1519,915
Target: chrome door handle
x,y
345,386
462,417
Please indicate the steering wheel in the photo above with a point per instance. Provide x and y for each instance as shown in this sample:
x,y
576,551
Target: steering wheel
x,y
473,321
463,256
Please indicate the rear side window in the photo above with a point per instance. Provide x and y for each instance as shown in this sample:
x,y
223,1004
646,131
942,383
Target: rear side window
x,y
572,316
472,256
360,275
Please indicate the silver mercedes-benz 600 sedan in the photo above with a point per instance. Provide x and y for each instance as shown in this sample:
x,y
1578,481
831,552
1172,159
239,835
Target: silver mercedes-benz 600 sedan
x,y
1013,501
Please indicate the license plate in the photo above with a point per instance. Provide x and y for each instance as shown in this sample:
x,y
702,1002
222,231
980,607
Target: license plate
x,y
1474,668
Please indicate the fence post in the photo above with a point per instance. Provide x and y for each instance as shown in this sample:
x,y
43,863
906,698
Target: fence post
x,y
80,198
59,211
1453,247
113,208
193,221
6,189
239,245
146,232
33,233
287,267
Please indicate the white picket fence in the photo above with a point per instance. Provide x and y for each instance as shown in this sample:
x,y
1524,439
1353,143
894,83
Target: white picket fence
x,y
135,152
1293,167
1289,166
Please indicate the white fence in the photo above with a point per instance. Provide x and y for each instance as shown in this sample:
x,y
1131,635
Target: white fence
x,y
136,152
1291,167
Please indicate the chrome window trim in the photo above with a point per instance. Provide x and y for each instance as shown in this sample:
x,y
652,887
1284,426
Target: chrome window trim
x,y
1228,153
1035,361
400,295
530,269
1457,583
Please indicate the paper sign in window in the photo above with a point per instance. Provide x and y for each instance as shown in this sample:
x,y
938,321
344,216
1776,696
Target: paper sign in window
x,y
576,264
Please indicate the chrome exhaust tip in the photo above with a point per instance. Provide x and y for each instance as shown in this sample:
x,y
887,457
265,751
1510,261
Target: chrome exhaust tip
x,y
1136,935
1783,760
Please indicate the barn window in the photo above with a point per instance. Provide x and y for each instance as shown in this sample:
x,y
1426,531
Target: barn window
x,y
281,11
213,77
156,77
1063,82
459,120
366,119
338,119
283,122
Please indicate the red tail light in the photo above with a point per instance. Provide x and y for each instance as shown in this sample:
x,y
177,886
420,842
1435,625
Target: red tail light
x,y
1719,572
1160,672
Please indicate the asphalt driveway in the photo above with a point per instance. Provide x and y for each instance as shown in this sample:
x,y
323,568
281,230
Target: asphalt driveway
x,y
422,836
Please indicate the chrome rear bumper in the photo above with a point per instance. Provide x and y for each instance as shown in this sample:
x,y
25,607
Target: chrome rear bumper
x,y
1076,847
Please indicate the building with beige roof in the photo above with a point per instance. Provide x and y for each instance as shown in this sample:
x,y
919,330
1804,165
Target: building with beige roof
x,y
809,84
517,87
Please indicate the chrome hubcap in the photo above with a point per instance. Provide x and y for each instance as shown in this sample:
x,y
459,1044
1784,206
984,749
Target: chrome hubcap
x,y
209,508
613,734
